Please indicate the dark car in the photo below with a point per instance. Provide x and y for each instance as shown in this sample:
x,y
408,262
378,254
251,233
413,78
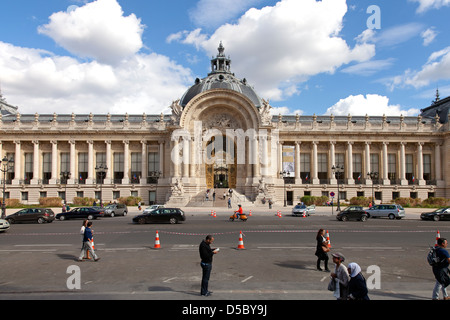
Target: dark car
x,y
39,215
171,215
352,213
436,215
80,213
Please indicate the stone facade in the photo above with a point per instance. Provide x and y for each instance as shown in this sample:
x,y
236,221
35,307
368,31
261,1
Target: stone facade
x,y
171,159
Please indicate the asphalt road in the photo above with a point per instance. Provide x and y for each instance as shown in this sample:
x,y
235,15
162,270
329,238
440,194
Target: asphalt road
x,y
278,261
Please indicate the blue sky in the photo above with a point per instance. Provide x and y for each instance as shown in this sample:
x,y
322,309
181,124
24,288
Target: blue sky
x,y
305,56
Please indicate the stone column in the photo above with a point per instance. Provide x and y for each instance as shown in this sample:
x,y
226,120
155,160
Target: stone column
x,y
385,164
73,156
315,175
333,179
367,166
297,162
420,164
108,177
126,162
350,163
403,180
54,162
36,175
144,162
437,161
90,177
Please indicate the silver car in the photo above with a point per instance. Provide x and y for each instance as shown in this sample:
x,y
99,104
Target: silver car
x,y
301,209
392,211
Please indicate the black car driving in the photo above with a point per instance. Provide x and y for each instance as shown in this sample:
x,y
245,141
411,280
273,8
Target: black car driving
x,y
352,213
171,215
436,215
80,213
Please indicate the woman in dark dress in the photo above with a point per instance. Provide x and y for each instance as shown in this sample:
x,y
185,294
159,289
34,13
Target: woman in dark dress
x,y
321,250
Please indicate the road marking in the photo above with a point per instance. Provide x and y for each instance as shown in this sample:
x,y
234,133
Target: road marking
x,y
246,279
168,280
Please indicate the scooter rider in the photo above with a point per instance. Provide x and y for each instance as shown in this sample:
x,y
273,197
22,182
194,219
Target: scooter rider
x,y
239,212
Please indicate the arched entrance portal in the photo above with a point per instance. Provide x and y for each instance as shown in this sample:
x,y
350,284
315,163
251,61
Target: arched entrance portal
x,y
221,163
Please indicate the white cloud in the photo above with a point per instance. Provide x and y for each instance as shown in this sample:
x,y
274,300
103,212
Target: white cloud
x,y
372,104
426,5
395,35
437,68
428,36
118,79
98,30
368,68
278,47
213,13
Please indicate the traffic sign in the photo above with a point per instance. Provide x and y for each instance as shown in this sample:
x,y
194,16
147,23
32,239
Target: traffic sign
x,y
332,193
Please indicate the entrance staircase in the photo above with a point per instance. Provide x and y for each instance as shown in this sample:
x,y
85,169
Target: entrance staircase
x,y
199,200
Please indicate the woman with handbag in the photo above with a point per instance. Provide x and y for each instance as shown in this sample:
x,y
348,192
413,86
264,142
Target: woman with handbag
x,y
322,249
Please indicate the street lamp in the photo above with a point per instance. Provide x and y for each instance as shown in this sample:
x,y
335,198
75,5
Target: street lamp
x,y
285,174
64,177
337,170
373,175
7,165
101,170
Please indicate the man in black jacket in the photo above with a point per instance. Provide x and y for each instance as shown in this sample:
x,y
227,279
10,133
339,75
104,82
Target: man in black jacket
x,y
206,254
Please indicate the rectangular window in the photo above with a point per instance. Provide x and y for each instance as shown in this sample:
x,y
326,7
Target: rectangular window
x,y
118,167
409,173
357,167
65,162
136,166
392,166
427,167
82,167
28,175
375,163
322,166
305,167
46,167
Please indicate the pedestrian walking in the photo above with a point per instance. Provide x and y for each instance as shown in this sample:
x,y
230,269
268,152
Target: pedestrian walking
x,y
206,255
87,243
83,227
322,249
357,287
341,276
440,270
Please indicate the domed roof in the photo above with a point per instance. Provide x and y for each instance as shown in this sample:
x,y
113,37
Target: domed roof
x,y
221,77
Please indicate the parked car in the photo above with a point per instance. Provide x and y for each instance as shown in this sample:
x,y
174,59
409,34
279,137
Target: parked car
x,y
39,215
4,225
171,215
116,209
153,207
436,215
352,213
80,213
301,209
392,211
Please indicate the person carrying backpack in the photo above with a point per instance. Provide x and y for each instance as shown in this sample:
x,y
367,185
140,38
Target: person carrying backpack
x,y
440,269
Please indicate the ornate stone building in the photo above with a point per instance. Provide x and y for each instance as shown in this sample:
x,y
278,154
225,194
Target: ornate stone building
x,y
222,134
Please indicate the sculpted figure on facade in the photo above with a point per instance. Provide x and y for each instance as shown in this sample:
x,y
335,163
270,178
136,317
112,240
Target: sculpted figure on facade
x,y
177,110
265,112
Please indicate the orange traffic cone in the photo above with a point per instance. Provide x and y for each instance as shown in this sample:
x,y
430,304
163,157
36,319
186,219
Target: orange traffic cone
x,y
328,240
241,242
438,235
157,243
304,214
214,216
250,213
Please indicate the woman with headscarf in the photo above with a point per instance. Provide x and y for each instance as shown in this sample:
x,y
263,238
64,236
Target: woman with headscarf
x,y
357,285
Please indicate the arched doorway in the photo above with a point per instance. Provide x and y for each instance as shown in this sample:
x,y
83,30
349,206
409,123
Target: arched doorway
x,y
221,163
